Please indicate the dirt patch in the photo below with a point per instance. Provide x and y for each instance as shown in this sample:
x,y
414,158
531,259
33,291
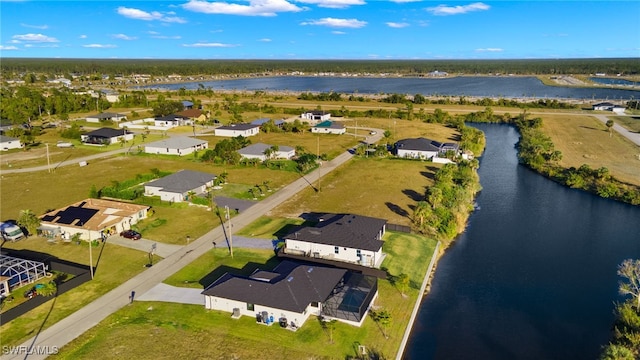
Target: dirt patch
x,y
568,80
28,155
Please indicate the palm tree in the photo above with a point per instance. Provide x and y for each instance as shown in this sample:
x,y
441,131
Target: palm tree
x,y
48,289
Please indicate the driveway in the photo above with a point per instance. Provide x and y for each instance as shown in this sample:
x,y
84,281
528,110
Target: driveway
x,y
174,294
634,137
162,250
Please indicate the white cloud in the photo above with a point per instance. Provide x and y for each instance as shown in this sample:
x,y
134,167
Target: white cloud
x,y
100,46
167,37
41,27
397,25
255,7
218,45
336,32
35,38
332,22
405,1
11,47
334,4
443,10
149,16
265,40
489,50
123,37
41,45
83,36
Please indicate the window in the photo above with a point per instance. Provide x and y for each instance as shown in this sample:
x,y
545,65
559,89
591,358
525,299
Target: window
x,y
336,250
249,307
358,253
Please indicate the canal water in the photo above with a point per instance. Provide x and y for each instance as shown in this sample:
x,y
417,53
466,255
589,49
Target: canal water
x,y
534,275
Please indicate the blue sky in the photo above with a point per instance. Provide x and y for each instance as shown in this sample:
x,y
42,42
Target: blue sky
x,y
320,29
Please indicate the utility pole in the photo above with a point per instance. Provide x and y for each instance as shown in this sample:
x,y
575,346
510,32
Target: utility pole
x,y
226,208
48,159
91,257
318,157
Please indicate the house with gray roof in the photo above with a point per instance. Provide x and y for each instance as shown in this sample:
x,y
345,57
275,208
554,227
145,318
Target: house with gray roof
x,y
106,136
257,151
235,130
8,143
177,186
263,121
316,115
179,145
329,127
106,116
292,292
340,237
423,148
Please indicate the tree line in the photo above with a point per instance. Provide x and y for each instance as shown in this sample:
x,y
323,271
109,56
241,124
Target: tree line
x,y
162,67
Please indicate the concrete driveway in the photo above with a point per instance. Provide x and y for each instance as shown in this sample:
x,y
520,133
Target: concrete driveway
x,y
174,294
162,250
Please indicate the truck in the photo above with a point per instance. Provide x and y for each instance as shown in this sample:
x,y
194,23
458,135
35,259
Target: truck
x,y
10,231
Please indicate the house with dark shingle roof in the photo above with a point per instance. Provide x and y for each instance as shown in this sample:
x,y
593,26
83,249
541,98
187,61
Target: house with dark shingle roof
x,y
316,115
235,130
329,127
178,145
177,186
292,292
340,237
423,148
172,120
106,136
257,151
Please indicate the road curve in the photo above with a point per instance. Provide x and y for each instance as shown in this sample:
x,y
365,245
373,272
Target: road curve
x,y
69,328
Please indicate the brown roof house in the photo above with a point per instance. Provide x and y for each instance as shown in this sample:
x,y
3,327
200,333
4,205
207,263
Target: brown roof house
x,y
92,218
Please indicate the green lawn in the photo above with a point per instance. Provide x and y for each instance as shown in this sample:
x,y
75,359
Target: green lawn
x,y
115,265
632,123
267,227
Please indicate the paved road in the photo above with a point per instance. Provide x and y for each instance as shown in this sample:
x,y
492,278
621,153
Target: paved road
x,y
74,325
634,137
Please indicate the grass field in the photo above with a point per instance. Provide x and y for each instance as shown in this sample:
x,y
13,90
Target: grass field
x,y
585,140
189,331
115,265
632,123
383,188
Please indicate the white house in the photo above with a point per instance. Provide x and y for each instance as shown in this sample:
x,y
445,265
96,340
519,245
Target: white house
x,y
172,120
423,148
329,127
235,130
607,106
177,186
340,237
8,143
316,116
257,151
179,145
92,218
106,136
106,116
292,292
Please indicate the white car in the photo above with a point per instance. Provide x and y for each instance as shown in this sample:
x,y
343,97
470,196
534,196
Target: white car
x,y
372,133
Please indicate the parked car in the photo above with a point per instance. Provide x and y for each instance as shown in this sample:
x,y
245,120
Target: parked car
x,y
131,234
373,133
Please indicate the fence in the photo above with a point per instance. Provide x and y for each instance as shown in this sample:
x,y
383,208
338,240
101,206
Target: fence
x,y
400,228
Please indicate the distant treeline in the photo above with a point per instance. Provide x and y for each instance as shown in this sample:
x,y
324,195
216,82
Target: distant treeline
x,y
9,66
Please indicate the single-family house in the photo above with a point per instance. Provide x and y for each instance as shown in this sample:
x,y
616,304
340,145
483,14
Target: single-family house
x,y
177,186
329,127
106,136
340,237
291,292
179,145
263,121
259,150
8,143
235,130
106,116
172,120
423,148
193,115
607,106
92,219
316,116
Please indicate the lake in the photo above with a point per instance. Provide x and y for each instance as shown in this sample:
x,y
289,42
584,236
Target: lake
x,y
476,86
534,275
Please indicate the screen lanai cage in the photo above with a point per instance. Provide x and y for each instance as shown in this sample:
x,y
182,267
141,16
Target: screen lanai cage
x,y
16,272
351,298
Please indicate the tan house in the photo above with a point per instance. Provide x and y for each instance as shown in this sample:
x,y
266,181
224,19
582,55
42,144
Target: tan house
x,y
194,114
93,219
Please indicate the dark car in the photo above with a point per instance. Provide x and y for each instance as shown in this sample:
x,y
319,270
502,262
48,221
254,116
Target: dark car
x,y
130,234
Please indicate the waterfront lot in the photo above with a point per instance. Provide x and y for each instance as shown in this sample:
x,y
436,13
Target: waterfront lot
x,y
190,331
585,140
